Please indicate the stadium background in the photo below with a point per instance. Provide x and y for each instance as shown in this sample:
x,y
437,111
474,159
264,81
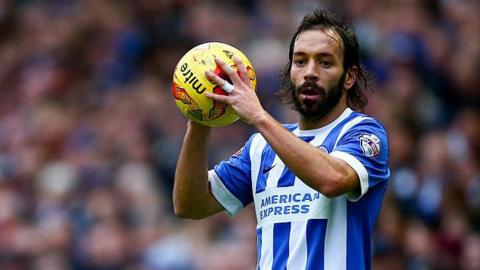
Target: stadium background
x,y
89,132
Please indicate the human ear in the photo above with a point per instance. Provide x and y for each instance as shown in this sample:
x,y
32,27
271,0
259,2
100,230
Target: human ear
x,y
350,77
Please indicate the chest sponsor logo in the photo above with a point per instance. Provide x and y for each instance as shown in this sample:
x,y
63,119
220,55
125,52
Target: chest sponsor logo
x,y
289,204
285,204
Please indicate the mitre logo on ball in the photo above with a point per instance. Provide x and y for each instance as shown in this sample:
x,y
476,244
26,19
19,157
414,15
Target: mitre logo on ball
x,y
190,83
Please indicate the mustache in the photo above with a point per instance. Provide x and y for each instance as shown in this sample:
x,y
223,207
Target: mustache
x,y
310,86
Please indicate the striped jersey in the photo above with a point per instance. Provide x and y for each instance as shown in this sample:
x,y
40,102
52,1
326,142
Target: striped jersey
x,y
298,227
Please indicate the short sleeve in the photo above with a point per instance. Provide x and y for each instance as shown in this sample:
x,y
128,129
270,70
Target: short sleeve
x,y
365,148
230,181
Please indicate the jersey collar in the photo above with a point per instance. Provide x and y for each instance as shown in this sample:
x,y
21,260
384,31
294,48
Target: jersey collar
x,y
313,132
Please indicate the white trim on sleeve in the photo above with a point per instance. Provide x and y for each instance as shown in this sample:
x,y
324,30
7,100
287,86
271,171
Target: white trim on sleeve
x,y
361,171
229,202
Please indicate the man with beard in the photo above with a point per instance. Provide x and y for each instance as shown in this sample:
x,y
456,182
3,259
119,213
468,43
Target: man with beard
x,y
317,185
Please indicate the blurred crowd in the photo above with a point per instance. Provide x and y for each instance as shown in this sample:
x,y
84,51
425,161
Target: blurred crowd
x,y
90,134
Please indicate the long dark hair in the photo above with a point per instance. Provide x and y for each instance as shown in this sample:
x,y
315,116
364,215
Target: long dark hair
x,y
323,19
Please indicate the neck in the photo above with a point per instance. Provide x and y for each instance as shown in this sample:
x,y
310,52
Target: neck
x,y
306,124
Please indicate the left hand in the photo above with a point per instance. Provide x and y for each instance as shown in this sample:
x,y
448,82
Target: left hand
x,y
243,98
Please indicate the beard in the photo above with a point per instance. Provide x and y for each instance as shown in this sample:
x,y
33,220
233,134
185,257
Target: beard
x,y
313,109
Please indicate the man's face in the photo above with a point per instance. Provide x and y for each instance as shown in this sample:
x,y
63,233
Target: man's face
x,y
317,73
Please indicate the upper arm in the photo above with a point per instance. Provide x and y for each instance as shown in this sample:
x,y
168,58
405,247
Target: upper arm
x,y
230,181
365,149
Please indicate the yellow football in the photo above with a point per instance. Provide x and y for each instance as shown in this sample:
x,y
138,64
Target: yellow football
x,y
190,83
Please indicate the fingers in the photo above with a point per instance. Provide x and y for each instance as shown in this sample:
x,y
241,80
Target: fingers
x,y
226,86
236,78
228,70
242,69
217,97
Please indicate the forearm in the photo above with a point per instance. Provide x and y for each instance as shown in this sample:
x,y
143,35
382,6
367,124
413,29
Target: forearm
x,y
191,194
320,171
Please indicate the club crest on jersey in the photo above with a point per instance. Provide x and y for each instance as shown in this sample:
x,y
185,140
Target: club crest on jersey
x,y
370,145
323,148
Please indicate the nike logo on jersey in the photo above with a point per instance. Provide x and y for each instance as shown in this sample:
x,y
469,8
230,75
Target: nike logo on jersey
x,y
266,169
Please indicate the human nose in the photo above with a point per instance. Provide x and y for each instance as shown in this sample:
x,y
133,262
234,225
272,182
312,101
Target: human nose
x,y
311,71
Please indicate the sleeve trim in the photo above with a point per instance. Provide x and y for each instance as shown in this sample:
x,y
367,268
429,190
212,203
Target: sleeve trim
x,y
348,126
361,171
230,203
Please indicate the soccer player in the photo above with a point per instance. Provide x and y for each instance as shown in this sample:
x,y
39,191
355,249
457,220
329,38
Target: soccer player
x,y
317,185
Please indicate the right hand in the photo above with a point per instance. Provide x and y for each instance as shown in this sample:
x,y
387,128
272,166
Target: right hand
x,y
243,98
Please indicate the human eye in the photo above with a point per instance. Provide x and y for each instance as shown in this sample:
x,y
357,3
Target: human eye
x,y
325,63
299,61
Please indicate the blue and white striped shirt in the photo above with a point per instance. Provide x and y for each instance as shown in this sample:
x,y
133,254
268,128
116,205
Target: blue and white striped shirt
x,y
298,227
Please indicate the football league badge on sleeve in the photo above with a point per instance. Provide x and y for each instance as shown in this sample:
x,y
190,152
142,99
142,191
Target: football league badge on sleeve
x,y
370,145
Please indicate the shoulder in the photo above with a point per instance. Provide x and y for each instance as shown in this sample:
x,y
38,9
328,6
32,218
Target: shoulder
x,y
258,139
366,133
290,127
257,143
366,123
